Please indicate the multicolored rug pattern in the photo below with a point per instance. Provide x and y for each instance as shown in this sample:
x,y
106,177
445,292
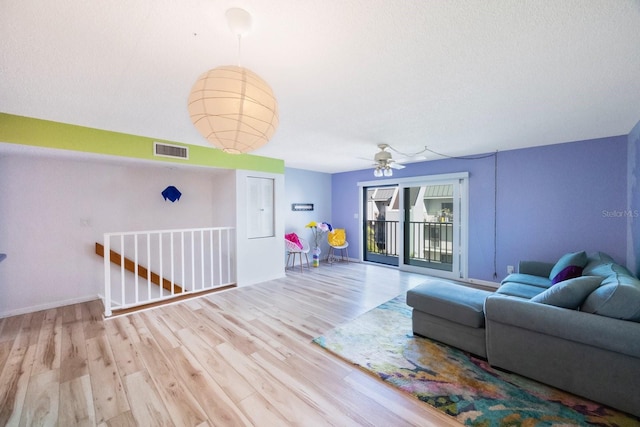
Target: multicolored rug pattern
x,y
466,387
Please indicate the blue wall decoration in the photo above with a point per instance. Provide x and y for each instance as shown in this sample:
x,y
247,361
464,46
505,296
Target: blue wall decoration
x,y
171,193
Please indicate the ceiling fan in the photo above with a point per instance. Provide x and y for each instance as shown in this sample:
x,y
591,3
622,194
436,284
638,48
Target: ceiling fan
x,y
384,162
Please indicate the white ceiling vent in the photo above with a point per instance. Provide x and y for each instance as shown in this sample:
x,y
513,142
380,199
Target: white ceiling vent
x,y
167,150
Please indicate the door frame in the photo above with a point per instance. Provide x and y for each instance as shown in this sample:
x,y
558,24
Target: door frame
x,y
460,270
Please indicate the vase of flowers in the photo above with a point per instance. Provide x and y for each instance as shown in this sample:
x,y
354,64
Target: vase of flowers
x,y
315,256
318,229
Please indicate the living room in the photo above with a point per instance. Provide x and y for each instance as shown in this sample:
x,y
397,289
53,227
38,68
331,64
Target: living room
x,y
549,179
64,186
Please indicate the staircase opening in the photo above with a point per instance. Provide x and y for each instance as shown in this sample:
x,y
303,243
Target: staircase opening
x,y
146,268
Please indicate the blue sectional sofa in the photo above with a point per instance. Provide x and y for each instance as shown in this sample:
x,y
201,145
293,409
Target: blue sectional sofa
x,y
573,324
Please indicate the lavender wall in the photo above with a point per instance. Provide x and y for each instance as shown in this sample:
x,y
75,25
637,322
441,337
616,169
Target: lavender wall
x,y
561,198
633,237
303,186
550,200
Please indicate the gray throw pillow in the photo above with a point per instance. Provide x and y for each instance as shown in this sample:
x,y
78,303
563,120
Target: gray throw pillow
x,y
569,293
594,261
617,297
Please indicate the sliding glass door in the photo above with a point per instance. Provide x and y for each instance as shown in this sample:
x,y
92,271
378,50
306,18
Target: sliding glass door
x,y
418,224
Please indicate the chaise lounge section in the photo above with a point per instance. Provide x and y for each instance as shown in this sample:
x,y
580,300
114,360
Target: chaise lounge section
x,y
453,317
574,325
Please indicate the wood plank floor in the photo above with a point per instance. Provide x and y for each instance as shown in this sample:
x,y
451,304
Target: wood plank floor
x,y
238,357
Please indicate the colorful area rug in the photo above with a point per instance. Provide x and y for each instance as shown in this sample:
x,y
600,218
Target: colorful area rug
x,y
466,387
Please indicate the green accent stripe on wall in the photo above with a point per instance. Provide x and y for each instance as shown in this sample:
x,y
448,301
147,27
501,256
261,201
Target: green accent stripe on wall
x,y
49,134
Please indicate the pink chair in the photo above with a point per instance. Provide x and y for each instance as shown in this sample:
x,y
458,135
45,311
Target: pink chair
x,y
294,249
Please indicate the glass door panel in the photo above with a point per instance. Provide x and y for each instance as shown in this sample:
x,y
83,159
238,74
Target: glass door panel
x,y
381,224
429,226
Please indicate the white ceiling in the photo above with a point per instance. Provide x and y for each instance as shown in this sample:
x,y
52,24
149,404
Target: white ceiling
x,y
457,76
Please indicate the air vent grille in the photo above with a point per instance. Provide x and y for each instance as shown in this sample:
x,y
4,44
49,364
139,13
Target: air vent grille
x,y
167,150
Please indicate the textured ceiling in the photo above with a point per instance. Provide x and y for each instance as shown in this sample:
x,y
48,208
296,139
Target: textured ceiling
x,y
457,76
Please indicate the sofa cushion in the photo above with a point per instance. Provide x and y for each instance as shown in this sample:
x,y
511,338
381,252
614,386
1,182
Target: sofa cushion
x,y
536,268
594,260
569,293
618,296
527,279
568,266
521,290
606,270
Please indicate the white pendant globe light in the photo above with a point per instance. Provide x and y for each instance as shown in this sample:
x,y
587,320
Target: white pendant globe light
x,y
231,106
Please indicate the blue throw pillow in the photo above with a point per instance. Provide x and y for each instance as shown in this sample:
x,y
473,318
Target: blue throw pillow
x,y
569,293
568,267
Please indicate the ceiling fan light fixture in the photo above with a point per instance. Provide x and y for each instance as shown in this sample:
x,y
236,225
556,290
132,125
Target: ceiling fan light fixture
x,y
384,163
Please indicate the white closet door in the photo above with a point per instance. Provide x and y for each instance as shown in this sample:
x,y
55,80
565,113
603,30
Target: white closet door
x,y
260,209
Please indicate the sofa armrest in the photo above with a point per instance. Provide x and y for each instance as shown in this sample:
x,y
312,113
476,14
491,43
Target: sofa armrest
x,y
616,335
535,268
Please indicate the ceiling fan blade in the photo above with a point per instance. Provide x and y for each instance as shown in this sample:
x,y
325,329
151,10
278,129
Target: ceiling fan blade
x,y
394,165
366,158
412,159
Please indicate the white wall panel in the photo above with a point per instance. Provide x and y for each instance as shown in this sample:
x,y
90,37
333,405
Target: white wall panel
x,y
53,210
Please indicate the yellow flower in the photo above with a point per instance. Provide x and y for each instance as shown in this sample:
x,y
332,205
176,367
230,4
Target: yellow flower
x,y
311,224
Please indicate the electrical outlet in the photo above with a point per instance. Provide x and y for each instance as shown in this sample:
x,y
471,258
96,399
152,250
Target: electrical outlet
x,y
509,269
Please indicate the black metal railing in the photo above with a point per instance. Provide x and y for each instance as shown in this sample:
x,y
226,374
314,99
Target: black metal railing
x,y
430,242
382,237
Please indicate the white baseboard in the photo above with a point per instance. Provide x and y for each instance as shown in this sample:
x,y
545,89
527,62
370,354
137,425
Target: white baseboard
x,y
353,260
48,306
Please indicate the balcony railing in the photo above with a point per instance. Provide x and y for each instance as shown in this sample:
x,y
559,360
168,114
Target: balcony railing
x,y
382,238
431,242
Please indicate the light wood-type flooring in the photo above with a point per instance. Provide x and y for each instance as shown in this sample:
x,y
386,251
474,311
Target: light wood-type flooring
x,y
239,357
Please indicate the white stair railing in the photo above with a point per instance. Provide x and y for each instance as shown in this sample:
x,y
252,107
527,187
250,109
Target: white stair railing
x,y
150,266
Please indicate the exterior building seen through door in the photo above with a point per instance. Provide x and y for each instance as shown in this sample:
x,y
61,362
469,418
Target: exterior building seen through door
x,y
381,225
429,222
